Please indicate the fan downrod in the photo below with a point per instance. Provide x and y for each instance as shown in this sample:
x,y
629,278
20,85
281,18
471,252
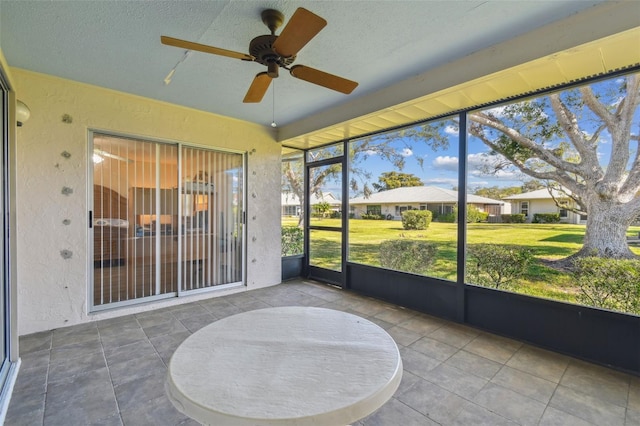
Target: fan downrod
x,y
273,19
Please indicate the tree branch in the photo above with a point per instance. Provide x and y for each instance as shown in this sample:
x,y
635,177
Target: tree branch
x,y
560,176
594,105
544,154
619,125
569,123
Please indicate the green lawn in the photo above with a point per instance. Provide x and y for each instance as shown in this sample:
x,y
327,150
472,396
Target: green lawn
x,y
548,241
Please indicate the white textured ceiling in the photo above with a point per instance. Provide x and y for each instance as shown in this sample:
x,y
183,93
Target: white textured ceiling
x,y
377,43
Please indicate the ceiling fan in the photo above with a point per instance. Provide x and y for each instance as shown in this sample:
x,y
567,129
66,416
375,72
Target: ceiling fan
x,y
277,51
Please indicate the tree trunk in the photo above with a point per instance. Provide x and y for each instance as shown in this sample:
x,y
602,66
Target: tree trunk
x,y
605,234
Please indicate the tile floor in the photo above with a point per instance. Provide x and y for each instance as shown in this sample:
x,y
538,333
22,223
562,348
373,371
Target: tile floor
x,y
112,372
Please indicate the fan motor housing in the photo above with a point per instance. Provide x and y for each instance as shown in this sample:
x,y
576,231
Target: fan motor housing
x,y
261,48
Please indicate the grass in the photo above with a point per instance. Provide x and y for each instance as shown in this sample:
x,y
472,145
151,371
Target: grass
x,y
548,242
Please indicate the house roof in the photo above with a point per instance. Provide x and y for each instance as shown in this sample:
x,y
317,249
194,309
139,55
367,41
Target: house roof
x,y
290,199
420,194
539,194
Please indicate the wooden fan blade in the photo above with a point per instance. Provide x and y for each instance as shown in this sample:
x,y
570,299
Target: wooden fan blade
x,y
302,27
176,42
323,79
258,88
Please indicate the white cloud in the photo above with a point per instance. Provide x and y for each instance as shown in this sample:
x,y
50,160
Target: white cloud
x,y
500,174
603,139
449,182
451,130
482,164
371,152
478,183
406,152
446,162
477,160
497,111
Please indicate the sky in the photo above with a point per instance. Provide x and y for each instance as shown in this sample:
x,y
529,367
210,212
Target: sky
x,y
440,168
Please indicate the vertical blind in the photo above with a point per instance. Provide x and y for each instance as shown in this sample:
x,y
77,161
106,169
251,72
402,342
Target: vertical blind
x,y
211,194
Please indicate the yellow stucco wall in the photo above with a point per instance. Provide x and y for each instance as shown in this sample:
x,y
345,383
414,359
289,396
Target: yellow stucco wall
x,y
52,291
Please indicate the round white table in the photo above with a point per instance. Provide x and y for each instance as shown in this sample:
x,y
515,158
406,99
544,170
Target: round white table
x,y
284,366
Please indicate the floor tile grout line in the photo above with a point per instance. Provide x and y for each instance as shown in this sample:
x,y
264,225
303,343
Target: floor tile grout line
x,y
413,409
46,385
574,390
468,400
113,388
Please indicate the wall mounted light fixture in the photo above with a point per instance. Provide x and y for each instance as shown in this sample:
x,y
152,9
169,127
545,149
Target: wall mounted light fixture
x,y
22,113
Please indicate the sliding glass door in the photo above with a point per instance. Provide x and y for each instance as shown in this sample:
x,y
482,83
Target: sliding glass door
x,y
165,219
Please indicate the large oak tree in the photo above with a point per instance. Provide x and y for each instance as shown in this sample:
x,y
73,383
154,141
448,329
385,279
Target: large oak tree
x,y
583,141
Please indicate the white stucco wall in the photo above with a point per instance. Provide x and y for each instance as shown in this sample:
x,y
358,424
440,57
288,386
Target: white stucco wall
x,y
542,206
52,291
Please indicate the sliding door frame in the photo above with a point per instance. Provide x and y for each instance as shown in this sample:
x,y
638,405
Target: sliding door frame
x,y
8,286
179,285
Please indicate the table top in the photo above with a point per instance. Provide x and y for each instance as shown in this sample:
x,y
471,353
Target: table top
x,y
284,366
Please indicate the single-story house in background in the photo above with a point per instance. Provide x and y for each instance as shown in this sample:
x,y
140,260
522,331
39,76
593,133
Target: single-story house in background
x,y
542,201
291,202
439,201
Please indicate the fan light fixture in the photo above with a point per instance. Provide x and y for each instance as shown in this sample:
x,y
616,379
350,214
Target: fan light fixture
x,y
22,113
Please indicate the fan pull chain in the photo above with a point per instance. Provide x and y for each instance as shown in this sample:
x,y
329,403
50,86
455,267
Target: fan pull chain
x,y
273,110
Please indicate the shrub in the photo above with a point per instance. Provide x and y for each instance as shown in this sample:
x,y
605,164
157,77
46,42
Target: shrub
x,y
495,265
292,240
372,216
546,218
513,218
407,255
416,219
474,215
447,218
609,283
